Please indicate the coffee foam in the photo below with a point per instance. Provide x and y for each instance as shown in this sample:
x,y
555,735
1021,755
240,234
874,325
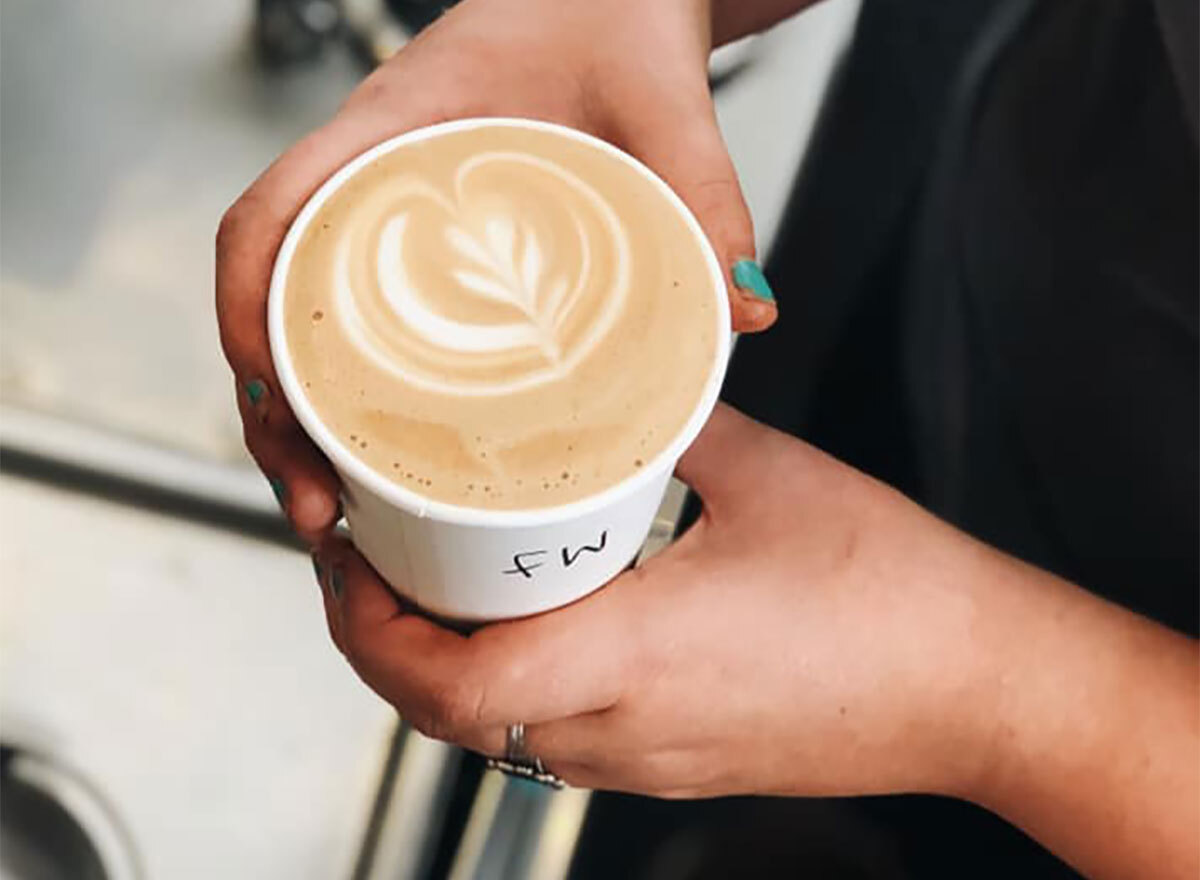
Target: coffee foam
x,y
501,317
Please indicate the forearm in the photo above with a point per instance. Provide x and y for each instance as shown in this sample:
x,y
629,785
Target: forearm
x,y
1092,729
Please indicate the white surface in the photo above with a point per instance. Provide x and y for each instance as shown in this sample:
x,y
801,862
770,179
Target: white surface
x,y
188,673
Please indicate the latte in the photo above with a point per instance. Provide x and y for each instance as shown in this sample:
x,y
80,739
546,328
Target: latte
x,y
502,317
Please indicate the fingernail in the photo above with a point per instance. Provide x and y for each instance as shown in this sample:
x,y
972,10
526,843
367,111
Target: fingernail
x,y
279,488
317,571
336,582
256,390
748,276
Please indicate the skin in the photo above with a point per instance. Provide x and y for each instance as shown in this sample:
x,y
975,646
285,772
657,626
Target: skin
x,y
815,633
572,63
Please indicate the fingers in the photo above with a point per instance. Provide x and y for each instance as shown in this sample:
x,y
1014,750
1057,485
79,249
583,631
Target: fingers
x,y
328,602
590,751
247,241
562,674
681,141
585,740
408,660
252,230
456,687
581,739
558,664
611,749
304,482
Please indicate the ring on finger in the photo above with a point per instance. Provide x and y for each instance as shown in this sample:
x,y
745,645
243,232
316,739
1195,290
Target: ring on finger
x,y
519,762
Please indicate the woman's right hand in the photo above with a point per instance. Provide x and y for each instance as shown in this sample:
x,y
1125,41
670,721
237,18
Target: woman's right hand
x,y
630,72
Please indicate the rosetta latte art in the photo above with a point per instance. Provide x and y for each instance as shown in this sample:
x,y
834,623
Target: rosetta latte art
x,y
502,316
460,293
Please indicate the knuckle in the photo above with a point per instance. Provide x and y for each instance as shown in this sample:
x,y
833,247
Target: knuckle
x,y
371,90
578,776
685,774
250,436
422,721
361,649
353,647
231,224
719,200
453,709
264,457
663,772
677,793
507,670
716,190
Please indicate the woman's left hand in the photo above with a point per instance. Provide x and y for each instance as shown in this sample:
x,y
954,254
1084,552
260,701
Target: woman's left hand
x,y
807,635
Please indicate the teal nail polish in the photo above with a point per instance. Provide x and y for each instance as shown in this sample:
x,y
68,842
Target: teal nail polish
x,y
748,276
256,390
278,487
336,582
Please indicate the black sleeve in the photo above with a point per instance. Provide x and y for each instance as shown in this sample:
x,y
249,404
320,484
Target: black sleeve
x,y
1179,24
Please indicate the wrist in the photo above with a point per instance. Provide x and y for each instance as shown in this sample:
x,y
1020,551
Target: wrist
x,y
963,731
1081,722
1028,643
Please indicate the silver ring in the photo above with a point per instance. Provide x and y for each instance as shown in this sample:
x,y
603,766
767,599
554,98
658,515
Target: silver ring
x,y
514,743
518,762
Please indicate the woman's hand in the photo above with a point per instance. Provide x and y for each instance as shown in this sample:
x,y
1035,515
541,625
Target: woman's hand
x,y
633,73
805,636
817,633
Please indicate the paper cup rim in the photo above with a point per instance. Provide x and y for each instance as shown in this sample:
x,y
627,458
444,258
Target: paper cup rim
x,y
348,464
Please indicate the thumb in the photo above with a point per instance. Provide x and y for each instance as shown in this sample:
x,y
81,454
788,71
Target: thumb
x,y
681,141
721,459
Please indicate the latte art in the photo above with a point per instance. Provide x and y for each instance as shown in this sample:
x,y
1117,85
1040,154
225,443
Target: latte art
x,y
505,282
501,316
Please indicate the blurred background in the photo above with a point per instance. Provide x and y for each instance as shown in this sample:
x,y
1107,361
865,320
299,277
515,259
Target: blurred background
x,y
170,706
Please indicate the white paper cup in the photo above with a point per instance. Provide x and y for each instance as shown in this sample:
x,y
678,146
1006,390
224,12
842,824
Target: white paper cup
x,y
473,564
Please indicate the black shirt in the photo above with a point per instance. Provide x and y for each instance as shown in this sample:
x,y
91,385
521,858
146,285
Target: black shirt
x,y
1039,255
1053,358
1051,335
1036,246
